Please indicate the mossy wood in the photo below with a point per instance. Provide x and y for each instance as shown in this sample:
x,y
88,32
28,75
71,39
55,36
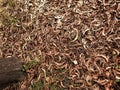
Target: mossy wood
x,y
10,71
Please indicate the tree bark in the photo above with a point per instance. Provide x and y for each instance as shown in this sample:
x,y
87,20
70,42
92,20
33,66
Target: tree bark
x,y
10,71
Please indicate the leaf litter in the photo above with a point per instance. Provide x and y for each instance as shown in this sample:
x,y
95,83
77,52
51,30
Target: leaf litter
x,y
77,42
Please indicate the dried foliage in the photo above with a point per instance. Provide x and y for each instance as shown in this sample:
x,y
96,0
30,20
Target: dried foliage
x,y
77,42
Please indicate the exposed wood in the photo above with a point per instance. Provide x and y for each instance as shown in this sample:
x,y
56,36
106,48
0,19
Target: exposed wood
x,y
10,71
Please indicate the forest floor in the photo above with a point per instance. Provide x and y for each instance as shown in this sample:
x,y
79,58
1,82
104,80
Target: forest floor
x,y
65,44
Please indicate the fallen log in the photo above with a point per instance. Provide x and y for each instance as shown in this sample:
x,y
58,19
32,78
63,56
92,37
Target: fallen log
x,y
10,71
